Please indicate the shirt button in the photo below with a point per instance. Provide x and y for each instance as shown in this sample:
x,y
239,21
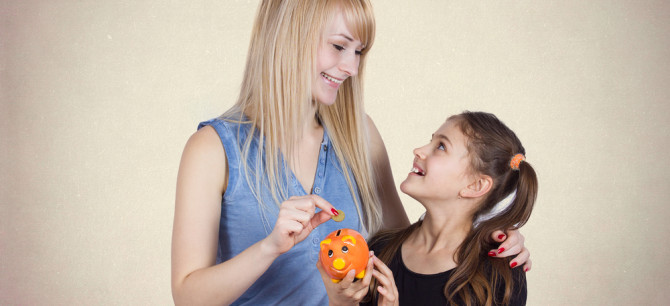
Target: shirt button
x,y
317,190
325,147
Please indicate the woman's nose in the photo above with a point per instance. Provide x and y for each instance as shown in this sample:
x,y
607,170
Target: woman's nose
x,y
349,64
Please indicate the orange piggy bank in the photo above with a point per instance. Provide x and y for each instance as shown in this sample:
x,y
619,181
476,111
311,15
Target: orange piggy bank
x,y
343,250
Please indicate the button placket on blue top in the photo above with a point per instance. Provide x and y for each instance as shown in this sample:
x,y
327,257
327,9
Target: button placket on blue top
x,y
319,178
316,242
319,182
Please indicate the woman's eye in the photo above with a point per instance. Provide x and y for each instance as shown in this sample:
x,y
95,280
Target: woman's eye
x,y
338,47
441,147
359,52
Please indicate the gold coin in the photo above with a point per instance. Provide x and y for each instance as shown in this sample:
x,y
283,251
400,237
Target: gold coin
x,y
339,217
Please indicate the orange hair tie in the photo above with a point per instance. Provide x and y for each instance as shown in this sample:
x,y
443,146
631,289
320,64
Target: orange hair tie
x,y
516,160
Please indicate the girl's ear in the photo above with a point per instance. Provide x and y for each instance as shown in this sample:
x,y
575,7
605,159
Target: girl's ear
x,y
478,188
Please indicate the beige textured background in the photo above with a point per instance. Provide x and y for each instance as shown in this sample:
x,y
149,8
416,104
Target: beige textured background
x,y
99,97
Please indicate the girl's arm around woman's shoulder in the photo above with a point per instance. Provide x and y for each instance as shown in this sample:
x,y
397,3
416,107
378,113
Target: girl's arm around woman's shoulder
x,y
394,213
201,183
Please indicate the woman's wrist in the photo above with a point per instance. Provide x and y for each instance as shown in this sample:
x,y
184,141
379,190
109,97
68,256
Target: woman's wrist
x,y
267,248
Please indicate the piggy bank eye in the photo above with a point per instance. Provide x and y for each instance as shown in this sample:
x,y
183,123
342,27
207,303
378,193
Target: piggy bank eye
x,y
345,249
330,253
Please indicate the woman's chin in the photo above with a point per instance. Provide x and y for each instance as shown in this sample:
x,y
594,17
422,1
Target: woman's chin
x,y
326,100
327,103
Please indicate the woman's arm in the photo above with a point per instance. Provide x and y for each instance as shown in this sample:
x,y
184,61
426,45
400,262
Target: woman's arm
x,y
512,244
201,183
394,212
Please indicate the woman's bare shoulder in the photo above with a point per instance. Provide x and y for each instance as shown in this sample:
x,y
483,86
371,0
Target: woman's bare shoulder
x,y
205,156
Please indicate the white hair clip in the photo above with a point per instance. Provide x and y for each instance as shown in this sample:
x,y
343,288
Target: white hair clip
x,y
497,209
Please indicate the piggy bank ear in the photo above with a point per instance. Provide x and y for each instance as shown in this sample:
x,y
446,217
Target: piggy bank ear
x,y
325,242
349,239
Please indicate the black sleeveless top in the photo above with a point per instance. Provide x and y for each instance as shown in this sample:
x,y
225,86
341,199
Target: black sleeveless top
x,y
428,289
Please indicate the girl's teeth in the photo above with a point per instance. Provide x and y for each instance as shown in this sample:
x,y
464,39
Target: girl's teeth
x,y
416,170
331,78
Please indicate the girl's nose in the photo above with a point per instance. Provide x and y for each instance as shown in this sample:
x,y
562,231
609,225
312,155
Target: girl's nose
x,y
418,153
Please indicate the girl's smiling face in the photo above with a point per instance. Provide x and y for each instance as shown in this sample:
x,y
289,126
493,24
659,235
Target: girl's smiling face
x,y
441,168
337,59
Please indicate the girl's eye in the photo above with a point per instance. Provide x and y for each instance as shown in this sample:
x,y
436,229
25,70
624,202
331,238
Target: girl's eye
x,y
359,52
441,147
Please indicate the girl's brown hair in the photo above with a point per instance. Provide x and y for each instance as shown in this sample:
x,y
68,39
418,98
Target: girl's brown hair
x,y
491,146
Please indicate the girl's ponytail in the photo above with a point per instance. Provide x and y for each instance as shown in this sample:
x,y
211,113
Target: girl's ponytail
x,y
526,193
495,151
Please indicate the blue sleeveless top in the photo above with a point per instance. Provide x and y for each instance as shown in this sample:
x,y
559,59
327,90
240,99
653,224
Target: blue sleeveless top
x,y
292,279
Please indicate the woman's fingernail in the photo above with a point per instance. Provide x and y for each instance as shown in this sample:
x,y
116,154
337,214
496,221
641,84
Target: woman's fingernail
x,y
500,250
512,265
492,254
501,236
334,211
525,269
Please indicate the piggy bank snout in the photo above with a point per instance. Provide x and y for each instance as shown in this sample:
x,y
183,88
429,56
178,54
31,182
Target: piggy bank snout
x,y
339,263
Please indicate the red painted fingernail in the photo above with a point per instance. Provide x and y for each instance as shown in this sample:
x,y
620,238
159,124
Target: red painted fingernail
x,y
492,254
500,250
525,269
512,265
334,211
501,236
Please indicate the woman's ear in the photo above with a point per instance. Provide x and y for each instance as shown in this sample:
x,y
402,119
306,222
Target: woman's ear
x,y
481,185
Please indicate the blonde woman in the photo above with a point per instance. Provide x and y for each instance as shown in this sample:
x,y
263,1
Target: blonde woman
x,y
257,184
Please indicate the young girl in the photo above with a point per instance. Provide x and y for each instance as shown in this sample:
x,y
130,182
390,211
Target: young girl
x,y
255,185
472,178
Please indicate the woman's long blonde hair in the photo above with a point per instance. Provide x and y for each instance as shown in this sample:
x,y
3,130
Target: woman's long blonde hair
x,y
276,97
